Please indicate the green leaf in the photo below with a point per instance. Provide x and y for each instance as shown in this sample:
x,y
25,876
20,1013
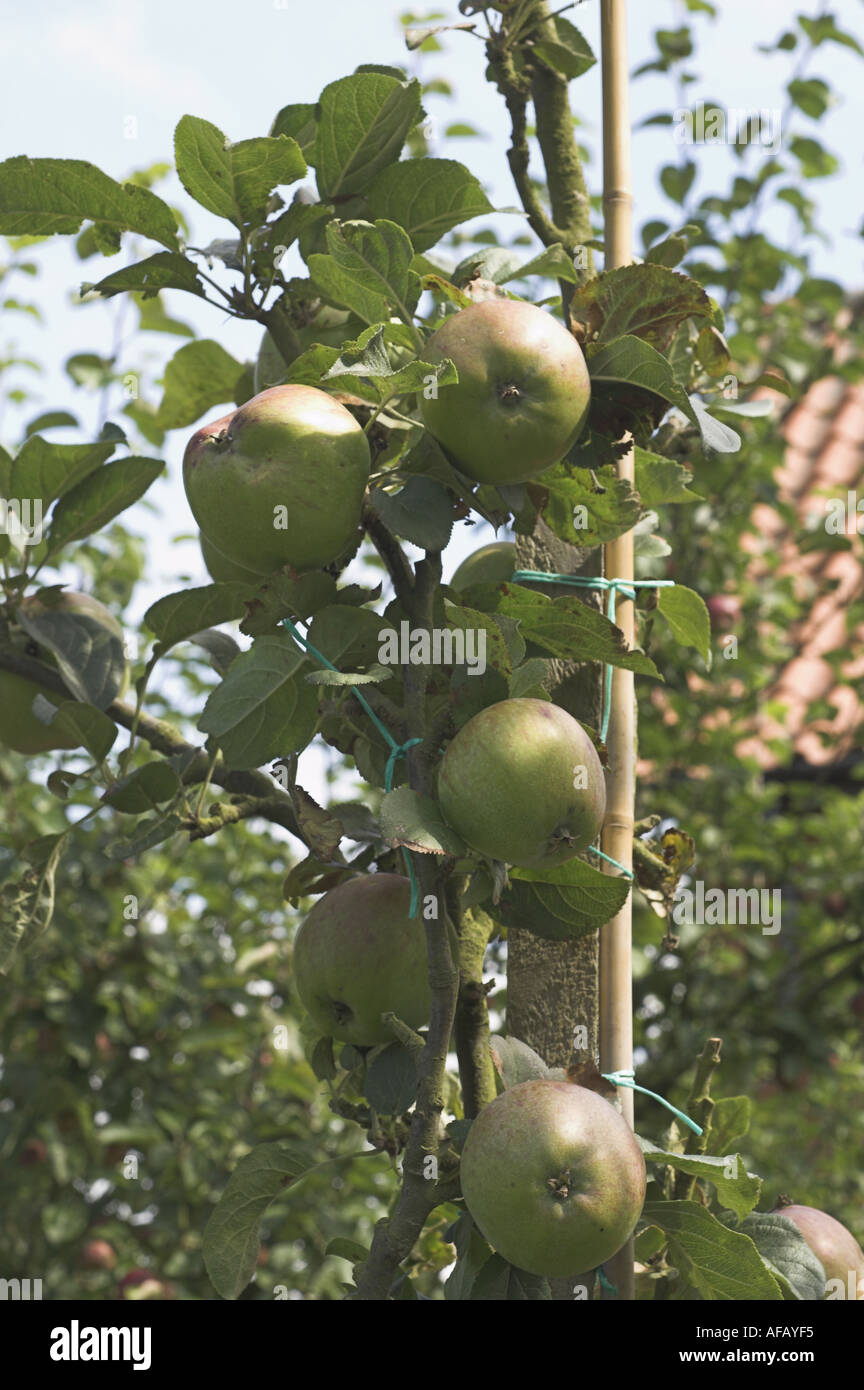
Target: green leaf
x,y
50,420
231,1237
421,512
712,350
233,181
561,904
144,789
552,263
94,730
347,1250
89,655
428,197
52,197
515,1061
640,301
391,1080
346,636
65,1220
200,375
104,494
824,29
565,627
660,480
530,678
736,1188
500,652
472,1254
165,271
787,1254
730,1122
298,122
368,270
146,835
569,53
676,180
816,162
574,508
262,710
688,617
498,1280
178,616
415,821
630,362
648,1243
811,95
27,902
723,1265
47,471
363,121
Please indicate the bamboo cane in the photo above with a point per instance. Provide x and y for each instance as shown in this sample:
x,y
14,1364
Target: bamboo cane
x,y
616,989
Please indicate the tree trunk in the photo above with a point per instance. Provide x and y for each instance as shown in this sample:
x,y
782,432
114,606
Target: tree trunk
x,y
552,985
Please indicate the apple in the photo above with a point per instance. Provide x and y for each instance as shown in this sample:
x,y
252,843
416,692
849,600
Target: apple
x,y
20,728
358,955
523,392
142,1285
724,609
831,1243
491,564
553,1177
522,782
223,570
32,1151
98,1254
293,448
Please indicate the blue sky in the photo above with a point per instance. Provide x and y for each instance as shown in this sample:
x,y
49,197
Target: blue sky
x,y
108,83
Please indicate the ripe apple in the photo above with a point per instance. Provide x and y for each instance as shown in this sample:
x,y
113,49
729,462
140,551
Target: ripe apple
x,y
522,396
20,728
522,782
291,447
553,1177
223,570
98,1254
491,564
358,955
830,1242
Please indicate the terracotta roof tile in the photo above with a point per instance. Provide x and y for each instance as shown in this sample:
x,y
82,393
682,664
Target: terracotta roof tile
x,y
824,459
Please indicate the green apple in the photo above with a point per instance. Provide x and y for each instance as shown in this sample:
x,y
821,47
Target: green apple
x,y
281,481
20,728
358,955
523,392
522,782
491,564
223,570
553,1177
831,1242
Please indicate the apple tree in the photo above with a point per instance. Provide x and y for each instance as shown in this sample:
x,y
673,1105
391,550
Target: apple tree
x,y
396,392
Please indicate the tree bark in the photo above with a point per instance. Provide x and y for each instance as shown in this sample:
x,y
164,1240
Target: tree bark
x,y
552,985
